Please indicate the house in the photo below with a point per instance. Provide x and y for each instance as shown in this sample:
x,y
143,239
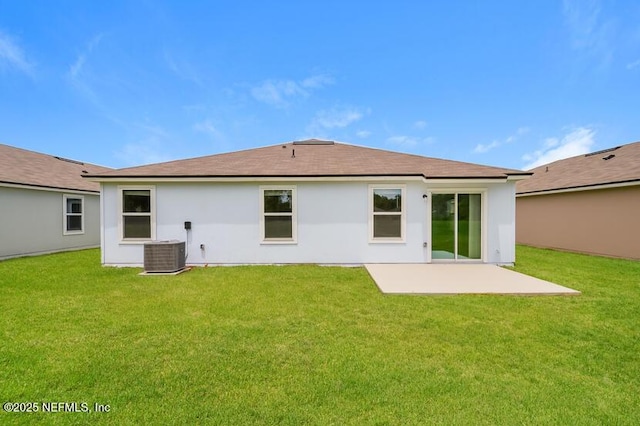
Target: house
x,y
45,205
587,203
311,201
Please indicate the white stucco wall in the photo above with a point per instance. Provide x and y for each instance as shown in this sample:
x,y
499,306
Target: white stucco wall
x,y
332,224
31,222
501,221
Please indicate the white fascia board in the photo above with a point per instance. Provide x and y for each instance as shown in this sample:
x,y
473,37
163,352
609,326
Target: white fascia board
x,y
148,180
582,188
458,182
50,189
515,178
412,178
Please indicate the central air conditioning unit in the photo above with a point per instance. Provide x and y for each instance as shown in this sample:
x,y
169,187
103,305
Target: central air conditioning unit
x,y
164,256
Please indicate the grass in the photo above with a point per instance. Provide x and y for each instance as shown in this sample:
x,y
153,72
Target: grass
x,y
317,345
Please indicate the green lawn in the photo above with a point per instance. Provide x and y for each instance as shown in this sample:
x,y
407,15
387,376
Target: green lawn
x,y
317,345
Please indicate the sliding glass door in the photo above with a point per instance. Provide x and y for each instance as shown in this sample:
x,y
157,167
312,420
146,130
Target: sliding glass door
x,y
456,226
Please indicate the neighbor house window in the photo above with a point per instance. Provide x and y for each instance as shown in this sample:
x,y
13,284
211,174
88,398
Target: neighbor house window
x,y
386,207
278,218
137,207
73,217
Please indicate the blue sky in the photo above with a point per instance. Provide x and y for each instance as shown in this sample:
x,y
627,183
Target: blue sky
x,y
505,83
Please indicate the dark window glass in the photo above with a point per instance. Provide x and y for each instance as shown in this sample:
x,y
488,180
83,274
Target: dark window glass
x,y
387,200
136,201
278,227
387,226
137,226
278,201
74,205
74,223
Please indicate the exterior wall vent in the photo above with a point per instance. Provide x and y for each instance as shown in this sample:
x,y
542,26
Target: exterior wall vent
x,y
164,256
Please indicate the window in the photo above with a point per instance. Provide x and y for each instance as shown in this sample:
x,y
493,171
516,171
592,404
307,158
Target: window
x,y
278,206
386,206
73,217
137,213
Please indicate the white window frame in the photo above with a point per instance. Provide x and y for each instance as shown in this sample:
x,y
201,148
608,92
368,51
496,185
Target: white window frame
x,y
402,214
66,213
483,223
293,214
121,213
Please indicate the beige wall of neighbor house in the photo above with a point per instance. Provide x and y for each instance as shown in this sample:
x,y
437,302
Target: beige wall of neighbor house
x,y
599,221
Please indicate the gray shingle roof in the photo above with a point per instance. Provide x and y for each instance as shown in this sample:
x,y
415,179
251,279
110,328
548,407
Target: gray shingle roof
x,y
615,165
311,158
23,167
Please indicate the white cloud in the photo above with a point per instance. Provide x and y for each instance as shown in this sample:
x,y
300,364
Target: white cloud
x,y
578,141
409,141
363,134
183,69
80,79
551,142
588,31
482,148
207,128
420,124
521,131
280,93
401,140
337,117
149,148
76,68
317,81
143,152
633,65
12,55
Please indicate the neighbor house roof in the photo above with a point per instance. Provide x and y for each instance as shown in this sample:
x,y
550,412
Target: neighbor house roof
x,y
21,167
618,165
311,158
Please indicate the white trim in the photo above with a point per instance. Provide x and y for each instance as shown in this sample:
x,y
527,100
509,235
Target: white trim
x,y
580,189
103,256
254,179
44,188
152,214
65,214
483,226
515,178
403,213
481,181
293,214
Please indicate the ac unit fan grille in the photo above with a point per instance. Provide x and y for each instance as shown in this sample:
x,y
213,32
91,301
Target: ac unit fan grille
x,y
164,256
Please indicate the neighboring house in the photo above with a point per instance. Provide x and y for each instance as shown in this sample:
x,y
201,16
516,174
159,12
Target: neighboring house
x,y
588,203
45,205
311,201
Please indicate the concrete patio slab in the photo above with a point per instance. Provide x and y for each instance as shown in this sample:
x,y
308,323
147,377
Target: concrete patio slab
x,y
434,279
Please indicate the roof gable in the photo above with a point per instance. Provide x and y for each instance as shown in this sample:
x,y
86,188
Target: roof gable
x,y
311,158
609,166
22,167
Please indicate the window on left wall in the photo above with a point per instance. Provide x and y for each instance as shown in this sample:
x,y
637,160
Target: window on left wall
x,y
73,214
137,213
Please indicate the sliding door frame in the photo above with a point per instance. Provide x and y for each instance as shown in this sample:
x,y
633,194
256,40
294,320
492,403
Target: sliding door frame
x,y
483,224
